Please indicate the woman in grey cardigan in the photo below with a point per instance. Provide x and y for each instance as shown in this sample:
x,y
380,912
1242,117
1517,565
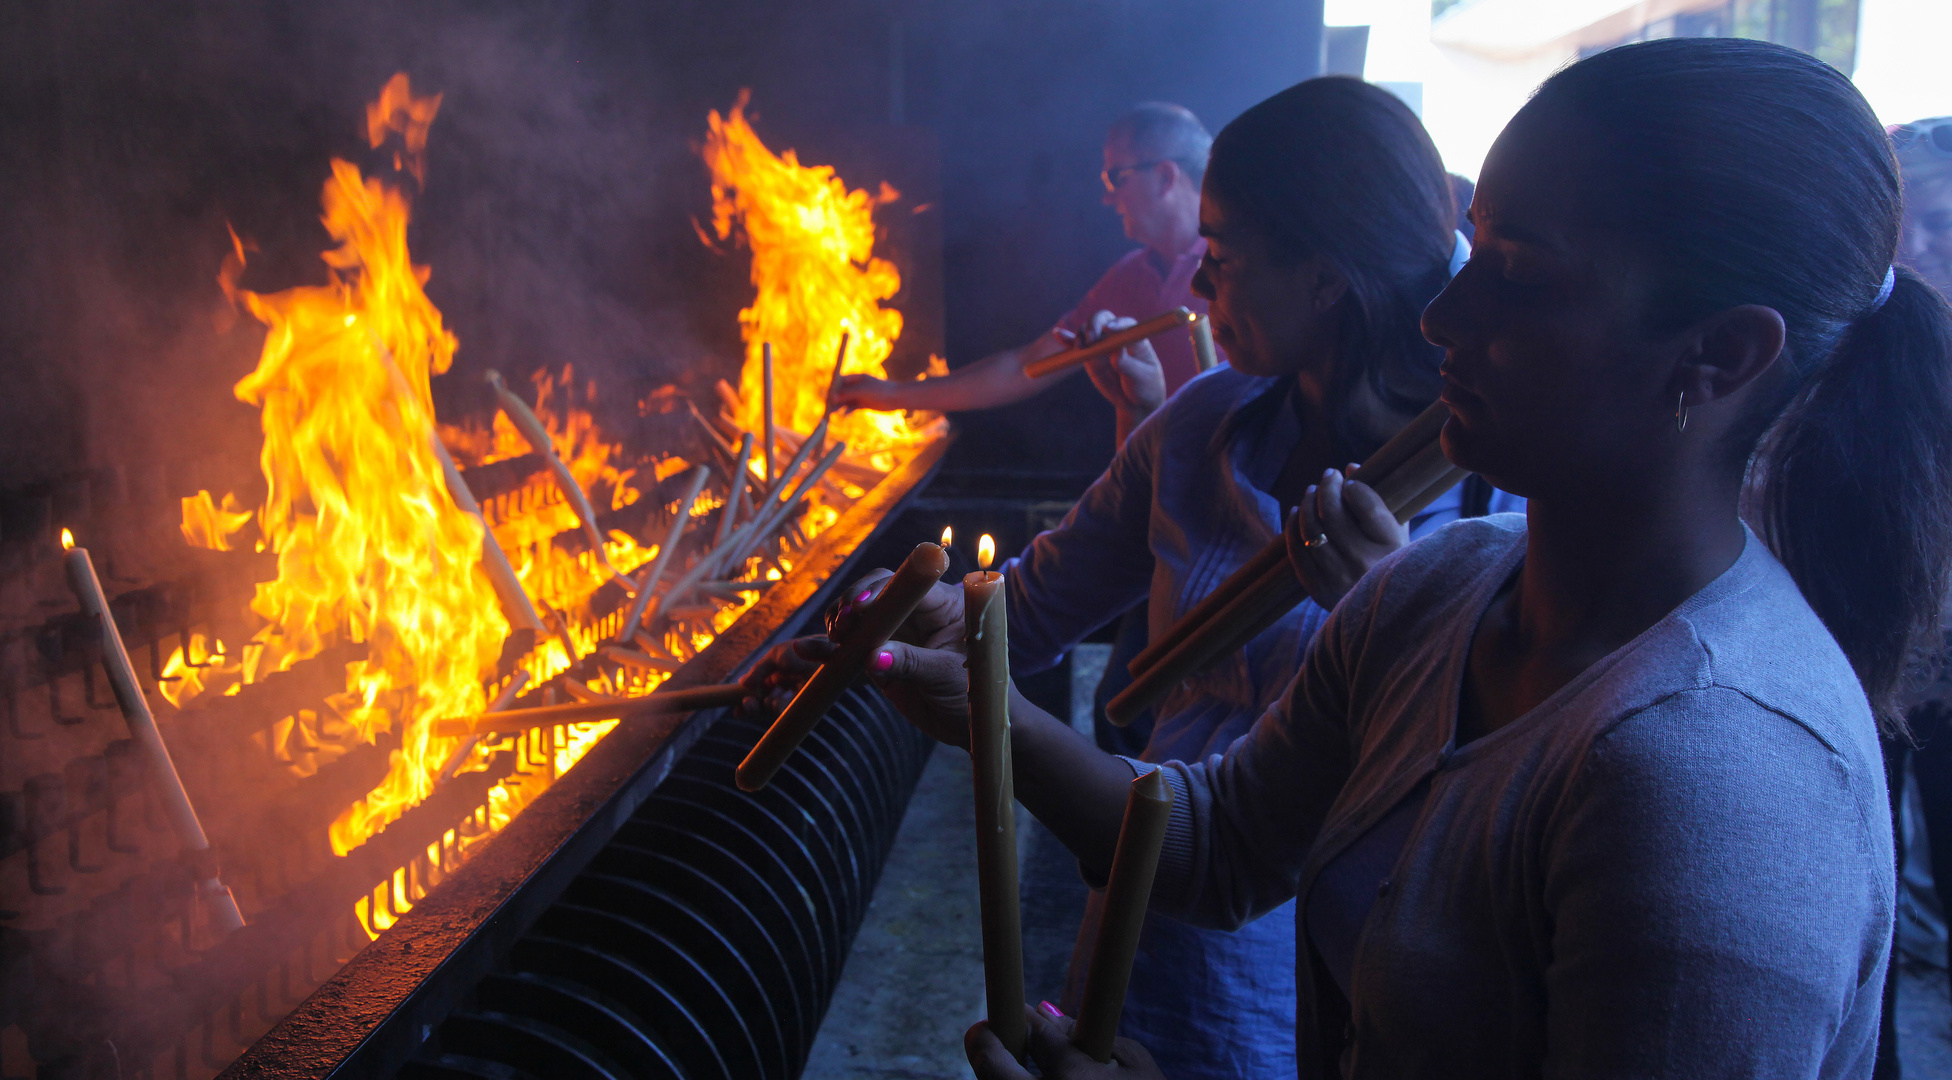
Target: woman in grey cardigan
x,y
1598,794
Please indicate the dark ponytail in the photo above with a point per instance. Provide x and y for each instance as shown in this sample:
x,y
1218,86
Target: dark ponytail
x,y
1853,490
1754,174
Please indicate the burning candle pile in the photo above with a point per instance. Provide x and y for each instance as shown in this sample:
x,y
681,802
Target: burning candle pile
x,y
588,577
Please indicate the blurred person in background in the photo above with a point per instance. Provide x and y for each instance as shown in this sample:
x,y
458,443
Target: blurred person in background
x,y
1925,155
1461,190
1920,770
1155,158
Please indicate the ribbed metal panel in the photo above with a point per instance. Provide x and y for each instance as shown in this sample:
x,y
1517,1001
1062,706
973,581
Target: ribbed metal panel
x,y
705,940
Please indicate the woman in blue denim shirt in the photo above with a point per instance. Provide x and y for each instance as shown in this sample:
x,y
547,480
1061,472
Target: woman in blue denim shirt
x,y
1328,220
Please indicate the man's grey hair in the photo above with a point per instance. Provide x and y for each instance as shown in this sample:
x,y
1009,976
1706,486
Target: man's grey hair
x,y
1160,131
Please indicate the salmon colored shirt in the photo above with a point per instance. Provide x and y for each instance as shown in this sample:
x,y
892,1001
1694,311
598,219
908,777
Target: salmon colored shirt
x,y
1136,288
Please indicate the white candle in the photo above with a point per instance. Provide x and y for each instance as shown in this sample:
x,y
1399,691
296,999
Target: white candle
x,y
149,742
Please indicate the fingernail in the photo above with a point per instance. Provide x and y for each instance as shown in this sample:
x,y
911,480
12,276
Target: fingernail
x,y
865,593
1050,1010
1311,489
1326,473
884,660
844,609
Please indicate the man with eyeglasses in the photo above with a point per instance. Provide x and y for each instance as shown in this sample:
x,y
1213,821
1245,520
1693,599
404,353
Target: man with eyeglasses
x,y
1925,155
1155,155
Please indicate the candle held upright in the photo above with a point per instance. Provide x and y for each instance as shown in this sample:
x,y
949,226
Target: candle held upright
x,y
1203,351
1148,807
987,639
216,898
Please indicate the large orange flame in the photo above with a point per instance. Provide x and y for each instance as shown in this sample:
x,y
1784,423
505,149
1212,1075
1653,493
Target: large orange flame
x,y
813,265
370,547
207,525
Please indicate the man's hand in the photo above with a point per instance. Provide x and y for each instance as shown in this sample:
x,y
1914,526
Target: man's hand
x,y
1340,530
1050,1047
1132,379
867,392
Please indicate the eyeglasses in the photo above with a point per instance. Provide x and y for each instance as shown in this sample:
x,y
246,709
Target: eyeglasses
x,y
1930,137
1115,177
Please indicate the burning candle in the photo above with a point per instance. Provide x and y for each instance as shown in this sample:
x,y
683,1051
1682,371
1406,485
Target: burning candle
x,y
1148,807
1202,331
948,539
840,361
537,436
987,639
647,584
766,366
219,903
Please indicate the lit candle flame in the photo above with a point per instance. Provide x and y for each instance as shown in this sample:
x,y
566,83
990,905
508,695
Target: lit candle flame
x,y
985,551
67,540
948,535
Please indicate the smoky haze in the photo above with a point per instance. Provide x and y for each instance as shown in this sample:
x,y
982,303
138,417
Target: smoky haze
x,y
561,185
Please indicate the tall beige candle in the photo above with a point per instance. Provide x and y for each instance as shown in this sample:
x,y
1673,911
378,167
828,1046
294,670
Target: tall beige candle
x,y
216,897
1110,343
657,702
1203,350
766,368
1148,807
986,635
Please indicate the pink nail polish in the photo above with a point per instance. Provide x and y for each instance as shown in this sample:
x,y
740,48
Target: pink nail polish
x,y
865,593
1050,1010
884,660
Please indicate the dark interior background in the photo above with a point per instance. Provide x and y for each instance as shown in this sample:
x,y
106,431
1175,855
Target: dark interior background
x,y
562,184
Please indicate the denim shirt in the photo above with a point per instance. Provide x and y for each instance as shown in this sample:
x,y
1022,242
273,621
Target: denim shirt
x,y
1184,504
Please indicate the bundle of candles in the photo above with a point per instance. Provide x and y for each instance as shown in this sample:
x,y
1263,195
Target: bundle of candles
x,y
1116,340
1409,472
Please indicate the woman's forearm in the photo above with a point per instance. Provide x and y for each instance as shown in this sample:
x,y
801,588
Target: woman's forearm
x,y
1075,789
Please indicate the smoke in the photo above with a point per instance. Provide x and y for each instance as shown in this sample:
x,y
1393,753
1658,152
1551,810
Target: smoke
x,y
561,184
554,219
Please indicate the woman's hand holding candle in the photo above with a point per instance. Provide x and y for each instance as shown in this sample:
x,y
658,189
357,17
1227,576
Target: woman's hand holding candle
x,y
1339,530
936,622
879,619
987,644
1051,1049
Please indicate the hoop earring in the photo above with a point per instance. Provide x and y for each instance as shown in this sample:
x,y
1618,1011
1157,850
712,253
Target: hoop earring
x,y
1681,412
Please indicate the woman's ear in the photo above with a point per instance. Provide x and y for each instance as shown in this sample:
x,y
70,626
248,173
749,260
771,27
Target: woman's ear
x,y
1326,283
1727,351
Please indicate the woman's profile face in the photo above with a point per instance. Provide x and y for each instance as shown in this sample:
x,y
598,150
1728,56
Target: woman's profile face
x,y
1271,319
1549,372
